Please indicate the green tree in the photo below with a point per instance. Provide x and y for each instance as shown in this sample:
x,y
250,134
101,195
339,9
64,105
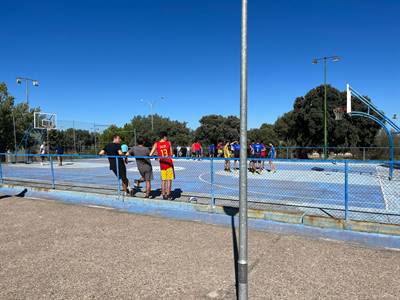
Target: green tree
x,y
6,119
10,113
215,128
265,134
303,126
178,132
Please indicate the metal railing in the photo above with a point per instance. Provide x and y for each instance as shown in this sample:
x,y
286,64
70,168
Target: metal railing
x,y
341,189
283,152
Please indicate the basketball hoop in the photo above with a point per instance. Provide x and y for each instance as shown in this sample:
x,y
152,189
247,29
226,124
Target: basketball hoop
x,y
339,113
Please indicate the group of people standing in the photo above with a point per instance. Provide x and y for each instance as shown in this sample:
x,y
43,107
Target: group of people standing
x,y
256,151
118,159
195,150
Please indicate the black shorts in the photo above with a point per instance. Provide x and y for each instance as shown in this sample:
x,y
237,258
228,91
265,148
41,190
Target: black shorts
x,y
121,174
257,155
237,153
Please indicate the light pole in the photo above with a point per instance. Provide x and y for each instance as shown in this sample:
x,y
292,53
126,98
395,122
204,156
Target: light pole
x,y
243,243
19,81
151,105
27,80
315,61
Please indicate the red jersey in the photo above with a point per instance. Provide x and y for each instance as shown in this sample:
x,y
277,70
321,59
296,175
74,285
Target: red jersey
x,y
263,151
164,149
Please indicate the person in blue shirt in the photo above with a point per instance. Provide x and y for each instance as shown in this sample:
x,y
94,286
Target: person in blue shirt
x,y
212,150
256,150
236,152
271,157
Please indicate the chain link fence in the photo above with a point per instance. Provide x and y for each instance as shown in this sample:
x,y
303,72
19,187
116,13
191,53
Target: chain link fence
x,y
341,189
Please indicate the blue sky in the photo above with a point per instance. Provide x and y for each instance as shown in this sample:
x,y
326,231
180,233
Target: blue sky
x,y
96,59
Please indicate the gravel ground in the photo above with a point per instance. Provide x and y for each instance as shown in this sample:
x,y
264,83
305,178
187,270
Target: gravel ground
x,y
50,250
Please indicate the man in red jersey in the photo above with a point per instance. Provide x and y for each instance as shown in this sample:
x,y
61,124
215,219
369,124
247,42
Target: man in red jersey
x,y
263,153
164,149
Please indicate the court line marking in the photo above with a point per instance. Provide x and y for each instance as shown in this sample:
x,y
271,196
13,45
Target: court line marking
x,y
313,200
252,192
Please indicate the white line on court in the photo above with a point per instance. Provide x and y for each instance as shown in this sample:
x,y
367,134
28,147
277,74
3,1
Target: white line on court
x,y
258,193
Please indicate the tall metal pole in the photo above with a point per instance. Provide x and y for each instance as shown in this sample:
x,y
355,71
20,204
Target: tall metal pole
x,y
15,137
73,128
242,262
152,117
325,116
94,133
27,92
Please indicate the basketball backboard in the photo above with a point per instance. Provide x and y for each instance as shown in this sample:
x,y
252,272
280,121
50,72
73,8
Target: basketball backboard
x,y
46,121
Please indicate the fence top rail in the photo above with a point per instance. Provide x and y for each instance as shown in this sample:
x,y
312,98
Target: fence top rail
x,y
296,160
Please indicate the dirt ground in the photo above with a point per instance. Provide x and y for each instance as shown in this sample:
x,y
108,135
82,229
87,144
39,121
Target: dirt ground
x,y
50,250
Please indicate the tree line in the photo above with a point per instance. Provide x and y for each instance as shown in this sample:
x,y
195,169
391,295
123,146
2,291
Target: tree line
x,y
302,126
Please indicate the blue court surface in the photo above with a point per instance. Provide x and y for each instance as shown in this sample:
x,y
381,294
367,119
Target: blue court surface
x,y
299,183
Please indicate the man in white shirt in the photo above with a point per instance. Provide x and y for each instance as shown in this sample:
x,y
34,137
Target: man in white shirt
x,y
43,152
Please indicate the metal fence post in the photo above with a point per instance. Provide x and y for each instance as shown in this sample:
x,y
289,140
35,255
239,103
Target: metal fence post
x,y
212,181
53,185
118,181
287,152
346,190
363,153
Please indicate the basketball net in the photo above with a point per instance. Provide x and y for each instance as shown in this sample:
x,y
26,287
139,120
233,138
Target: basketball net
x,y
339,113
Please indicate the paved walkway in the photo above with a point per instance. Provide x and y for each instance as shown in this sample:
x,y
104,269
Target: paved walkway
x,y
50,250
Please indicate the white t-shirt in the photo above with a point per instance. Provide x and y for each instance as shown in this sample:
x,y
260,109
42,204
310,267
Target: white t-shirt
x,y
42,149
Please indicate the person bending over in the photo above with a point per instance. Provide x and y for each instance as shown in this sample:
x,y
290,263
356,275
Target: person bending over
x,y
143,164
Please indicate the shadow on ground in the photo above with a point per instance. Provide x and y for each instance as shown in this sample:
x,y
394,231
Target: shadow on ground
x,y
21,195
232,212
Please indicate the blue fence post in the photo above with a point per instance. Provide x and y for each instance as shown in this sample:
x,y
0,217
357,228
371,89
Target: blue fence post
x,y
212,182
118,181
53,185
287,152
391,166
346,190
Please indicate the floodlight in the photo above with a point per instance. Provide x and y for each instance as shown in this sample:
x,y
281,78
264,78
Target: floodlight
x,y
315,61
336,58
19,81
35,83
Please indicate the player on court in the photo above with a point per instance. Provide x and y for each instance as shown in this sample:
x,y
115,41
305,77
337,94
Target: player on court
x,y
236,153
257,148
263,154
44,149
164,149
272,156
227,155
